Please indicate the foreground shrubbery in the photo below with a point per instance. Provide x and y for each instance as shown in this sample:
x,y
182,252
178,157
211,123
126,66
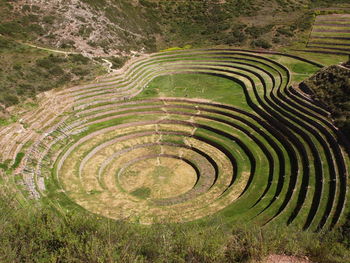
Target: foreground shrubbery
x,y
36,234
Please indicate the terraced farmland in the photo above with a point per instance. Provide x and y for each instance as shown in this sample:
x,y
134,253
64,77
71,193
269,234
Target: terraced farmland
x,y
331,34
184,135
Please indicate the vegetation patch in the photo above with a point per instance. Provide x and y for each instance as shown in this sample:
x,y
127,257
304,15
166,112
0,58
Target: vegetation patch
x,y
143,192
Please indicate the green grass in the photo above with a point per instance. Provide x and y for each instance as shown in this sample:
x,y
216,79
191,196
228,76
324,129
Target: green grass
x,y
18,160
196,86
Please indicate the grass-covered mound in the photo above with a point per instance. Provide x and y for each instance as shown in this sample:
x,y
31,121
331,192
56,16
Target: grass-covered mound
x,y
331,86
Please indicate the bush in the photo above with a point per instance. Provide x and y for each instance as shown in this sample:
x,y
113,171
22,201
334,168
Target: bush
x,y
26,8
50,61
67,43
237,37
261,43
10,28
36,28
78,58
117,62
304,22
256,32
56,70
49,19
4,43
148,4
80,71
285,32
9,99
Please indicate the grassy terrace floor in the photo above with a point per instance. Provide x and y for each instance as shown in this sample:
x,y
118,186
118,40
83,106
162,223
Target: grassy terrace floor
x,y
188,136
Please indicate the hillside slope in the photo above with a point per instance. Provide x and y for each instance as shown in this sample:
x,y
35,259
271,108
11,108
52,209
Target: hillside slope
x,y
116,30
109,27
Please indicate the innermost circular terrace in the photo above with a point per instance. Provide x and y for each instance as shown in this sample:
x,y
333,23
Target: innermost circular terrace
x,y
158,178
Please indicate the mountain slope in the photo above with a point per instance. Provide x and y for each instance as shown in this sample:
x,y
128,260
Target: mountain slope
x,y
109,27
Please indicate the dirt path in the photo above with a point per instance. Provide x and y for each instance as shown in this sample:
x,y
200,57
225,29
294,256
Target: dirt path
x,y
49,49
109,65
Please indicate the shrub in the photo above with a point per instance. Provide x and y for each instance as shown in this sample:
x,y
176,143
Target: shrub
x,y
30,18
78,58
147,3
276,40
36,28
49,19
10,28
85,31
285,32
56,70
9,99
25,89
67,43
26,8
256,32
80,71
35,8
117,62
304,22
50,61
237,37
261,43
4,43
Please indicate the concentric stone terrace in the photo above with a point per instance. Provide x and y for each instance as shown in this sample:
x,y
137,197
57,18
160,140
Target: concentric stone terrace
x,y
126,148
330,34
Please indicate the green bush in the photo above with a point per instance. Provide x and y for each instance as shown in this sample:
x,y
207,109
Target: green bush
x,y
49,19
147,3
80,71
256,31
36,28
9,99
117,62
26,8
10,28
261,43
67,43
285,31
78,58
304,22
50,61
237,37
4,43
